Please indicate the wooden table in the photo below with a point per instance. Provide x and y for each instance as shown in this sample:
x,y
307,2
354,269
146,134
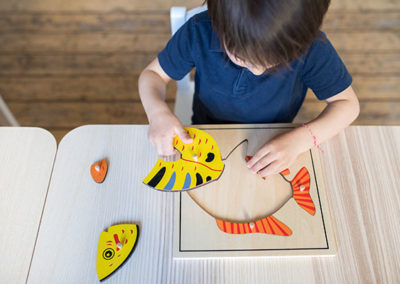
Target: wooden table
x,y
26,158
362,176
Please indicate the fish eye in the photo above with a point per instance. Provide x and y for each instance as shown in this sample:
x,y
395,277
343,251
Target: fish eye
x,y
210,157
108,253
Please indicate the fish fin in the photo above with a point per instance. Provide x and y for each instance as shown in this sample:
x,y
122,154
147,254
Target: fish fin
x,y
285,172
269,225
301,191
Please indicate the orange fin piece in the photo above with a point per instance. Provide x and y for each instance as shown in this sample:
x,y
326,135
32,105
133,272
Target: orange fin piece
x,y
269,225
285,172
99,171
301,191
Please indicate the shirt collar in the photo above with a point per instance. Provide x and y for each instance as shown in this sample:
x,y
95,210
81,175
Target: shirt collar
x,y
214,43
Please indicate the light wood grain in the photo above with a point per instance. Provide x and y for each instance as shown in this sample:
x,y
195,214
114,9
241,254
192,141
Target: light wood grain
x,y
99,42
362,172
110,88
87,22
157,5
158,22
372,88
96,5
362,175
26,158
71,64
371,112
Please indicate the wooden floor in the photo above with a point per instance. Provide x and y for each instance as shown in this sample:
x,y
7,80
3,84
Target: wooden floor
x,y
68,63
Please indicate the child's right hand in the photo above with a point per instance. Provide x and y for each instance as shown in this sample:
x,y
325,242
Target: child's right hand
x,y
162,130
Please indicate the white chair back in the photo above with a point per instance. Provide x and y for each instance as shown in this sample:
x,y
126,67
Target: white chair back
x,y
6,116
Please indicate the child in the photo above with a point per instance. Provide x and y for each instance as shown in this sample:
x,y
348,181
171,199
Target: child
x,y
255,60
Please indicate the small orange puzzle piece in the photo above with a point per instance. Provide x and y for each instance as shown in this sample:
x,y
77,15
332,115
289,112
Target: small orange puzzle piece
x,y
99,171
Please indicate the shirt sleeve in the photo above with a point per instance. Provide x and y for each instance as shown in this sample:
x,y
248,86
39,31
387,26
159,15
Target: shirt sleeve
x,y
324,72
176,59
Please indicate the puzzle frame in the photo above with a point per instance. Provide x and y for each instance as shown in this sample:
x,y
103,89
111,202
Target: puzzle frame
x,y
205,240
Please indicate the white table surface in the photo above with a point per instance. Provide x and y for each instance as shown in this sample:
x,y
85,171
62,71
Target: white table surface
x,y
26,161
362,178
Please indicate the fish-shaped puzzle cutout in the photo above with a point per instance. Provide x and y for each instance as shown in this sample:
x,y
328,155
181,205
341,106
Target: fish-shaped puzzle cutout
x,y
115,246
252,200
200,163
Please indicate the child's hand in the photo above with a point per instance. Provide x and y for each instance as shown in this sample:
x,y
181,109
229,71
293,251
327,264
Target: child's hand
x,y
162,130
278,154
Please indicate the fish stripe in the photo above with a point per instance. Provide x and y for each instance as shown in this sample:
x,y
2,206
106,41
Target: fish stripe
x,y
301,174
306,205
275,225
264,231
266,226
202,165
269,224
305,200
304,180
247,225
229,226
171,182
301,193
199,179
187,182
157,178
219,224
279,227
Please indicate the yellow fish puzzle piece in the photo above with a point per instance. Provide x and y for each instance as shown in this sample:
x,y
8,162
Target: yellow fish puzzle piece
x,y
115,246
200,163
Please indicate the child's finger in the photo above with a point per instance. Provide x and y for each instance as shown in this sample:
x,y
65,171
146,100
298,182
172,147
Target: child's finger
x,y
262,163
257,156
271,169
184,136
165,148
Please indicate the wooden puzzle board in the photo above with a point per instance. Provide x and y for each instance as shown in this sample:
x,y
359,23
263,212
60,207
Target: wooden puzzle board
x,y
196,234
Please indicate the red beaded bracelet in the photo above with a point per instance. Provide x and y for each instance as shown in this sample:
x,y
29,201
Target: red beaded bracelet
x,y
313,136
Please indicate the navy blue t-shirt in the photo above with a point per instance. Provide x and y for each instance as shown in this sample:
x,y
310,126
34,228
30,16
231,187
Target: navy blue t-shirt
x,y
228,93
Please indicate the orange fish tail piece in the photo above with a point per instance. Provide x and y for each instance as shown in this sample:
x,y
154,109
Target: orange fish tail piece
x,y
268,225
301,191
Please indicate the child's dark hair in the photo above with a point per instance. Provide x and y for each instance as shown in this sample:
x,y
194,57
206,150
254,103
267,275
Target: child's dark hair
x,y
267,32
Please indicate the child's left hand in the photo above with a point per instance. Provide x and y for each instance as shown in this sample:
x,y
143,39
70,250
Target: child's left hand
x,y
279,153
